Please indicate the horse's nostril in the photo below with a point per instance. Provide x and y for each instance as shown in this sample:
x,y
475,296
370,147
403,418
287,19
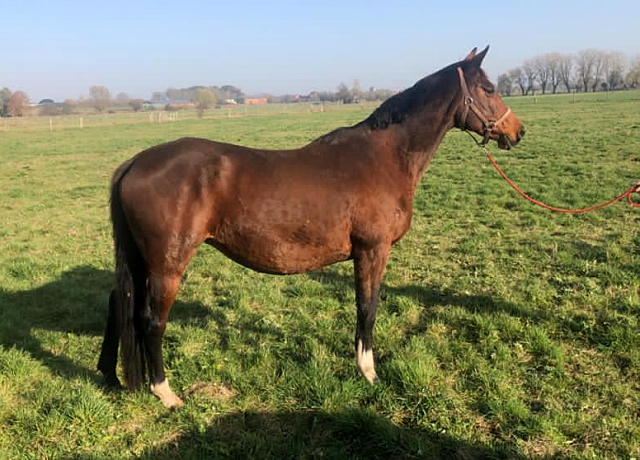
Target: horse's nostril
x,y
520,134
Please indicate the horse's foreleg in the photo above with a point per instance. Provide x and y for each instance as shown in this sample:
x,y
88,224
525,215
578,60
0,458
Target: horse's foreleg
x,y
162,293
109,354
369,267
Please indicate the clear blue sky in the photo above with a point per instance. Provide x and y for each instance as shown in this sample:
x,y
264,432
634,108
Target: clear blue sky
x,y
58,48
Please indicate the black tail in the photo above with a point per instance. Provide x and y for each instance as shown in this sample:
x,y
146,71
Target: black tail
x,y
131,289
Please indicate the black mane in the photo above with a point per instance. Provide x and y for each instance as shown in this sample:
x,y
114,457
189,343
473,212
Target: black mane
x,y
398,108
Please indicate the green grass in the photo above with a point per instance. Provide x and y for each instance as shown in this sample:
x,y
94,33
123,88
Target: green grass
x,y
505,331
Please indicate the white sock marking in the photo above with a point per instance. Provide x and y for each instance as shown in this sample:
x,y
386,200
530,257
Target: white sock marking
x,y
166,395
364,361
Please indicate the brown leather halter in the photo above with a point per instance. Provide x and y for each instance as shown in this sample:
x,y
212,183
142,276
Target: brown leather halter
x,y
488,125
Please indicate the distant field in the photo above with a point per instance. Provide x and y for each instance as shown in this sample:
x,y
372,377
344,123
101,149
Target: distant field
x,y
505,331
88,118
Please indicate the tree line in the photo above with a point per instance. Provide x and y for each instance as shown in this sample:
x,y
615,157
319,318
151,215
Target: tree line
x,y
100,99
18,104
343,93
587,70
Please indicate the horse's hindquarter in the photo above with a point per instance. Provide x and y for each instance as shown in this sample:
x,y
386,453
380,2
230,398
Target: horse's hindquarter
x,y
167,196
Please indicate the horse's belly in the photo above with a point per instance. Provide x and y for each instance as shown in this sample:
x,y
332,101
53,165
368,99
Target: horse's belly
x,y
283,252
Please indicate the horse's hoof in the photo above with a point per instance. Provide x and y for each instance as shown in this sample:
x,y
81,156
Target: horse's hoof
x,y
172,403
371,377
112,383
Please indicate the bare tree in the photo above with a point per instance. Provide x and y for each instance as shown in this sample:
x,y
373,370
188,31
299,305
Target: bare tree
x,y
17,104
68,106
553,69
530,76
122,97
344,94
518,76
540,66
356,91
565,70
136,104
50,110
632,79
204,99
100,96
614,70
599,65
505,84
585,63
229,92
5,95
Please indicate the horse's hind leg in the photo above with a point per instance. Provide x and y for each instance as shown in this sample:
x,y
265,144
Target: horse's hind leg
x,y
109,354
369,267
162,292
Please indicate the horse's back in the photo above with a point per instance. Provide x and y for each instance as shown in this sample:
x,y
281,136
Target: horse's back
x,y
277,211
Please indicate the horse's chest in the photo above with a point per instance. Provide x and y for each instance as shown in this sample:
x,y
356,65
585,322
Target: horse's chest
x,y
384,221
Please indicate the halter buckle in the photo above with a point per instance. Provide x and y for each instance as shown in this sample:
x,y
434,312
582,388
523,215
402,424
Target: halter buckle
x,y
487,137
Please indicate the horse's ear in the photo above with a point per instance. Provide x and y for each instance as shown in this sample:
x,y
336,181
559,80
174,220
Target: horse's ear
x,y
478,58
471,55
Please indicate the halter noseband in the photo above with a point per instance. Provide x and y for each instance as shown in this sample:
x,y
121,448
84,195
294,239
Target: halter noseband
x,y
487,125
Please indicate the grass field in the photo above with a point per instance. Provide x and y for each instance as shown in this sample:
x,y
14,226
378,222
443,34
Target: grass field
x,y
505,331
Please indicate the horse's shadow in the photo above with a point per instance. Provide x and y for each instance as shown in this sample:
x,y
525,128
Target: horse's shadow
x,y
433,295
75,303
350,433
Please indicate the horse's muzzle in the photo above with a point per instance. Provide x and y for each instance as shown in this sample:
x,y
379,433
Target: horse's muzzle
x,y
505,142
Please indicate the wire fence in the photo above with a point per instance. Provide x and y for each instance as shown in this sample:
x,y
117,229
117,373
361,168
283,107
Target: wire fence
x,y
91,120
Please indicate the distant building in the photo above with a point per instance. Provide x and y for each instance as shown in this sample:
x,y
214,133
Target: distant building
x,y
46,102
161,104
255,100
181,103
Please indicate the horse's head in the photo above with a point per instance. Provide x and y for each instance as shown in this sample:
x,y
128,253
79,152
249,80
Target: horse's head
x,y
481,108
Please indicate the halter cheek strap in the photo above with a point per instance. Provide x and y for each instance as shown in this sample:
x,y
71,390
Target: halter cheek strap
x,y
488,125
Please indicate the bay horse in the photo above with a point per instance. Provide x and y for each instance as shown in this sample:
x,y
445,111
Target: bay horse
x,y
346,195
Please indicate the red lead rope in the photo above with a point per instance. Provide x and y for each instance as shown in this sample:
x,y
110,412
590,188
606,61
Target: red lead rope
x,y
634,189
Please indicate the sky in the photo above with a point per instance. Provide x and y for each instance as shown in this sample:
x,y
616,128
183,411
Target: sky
x,y
59,48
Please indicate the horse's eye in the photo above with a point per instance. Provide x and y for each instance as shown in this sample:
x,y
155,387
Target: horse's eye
x,y
490,90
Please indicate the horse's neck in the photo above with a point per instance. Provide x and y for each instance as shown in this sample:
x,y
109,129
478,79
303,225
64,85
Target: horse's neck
x,y
418,140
